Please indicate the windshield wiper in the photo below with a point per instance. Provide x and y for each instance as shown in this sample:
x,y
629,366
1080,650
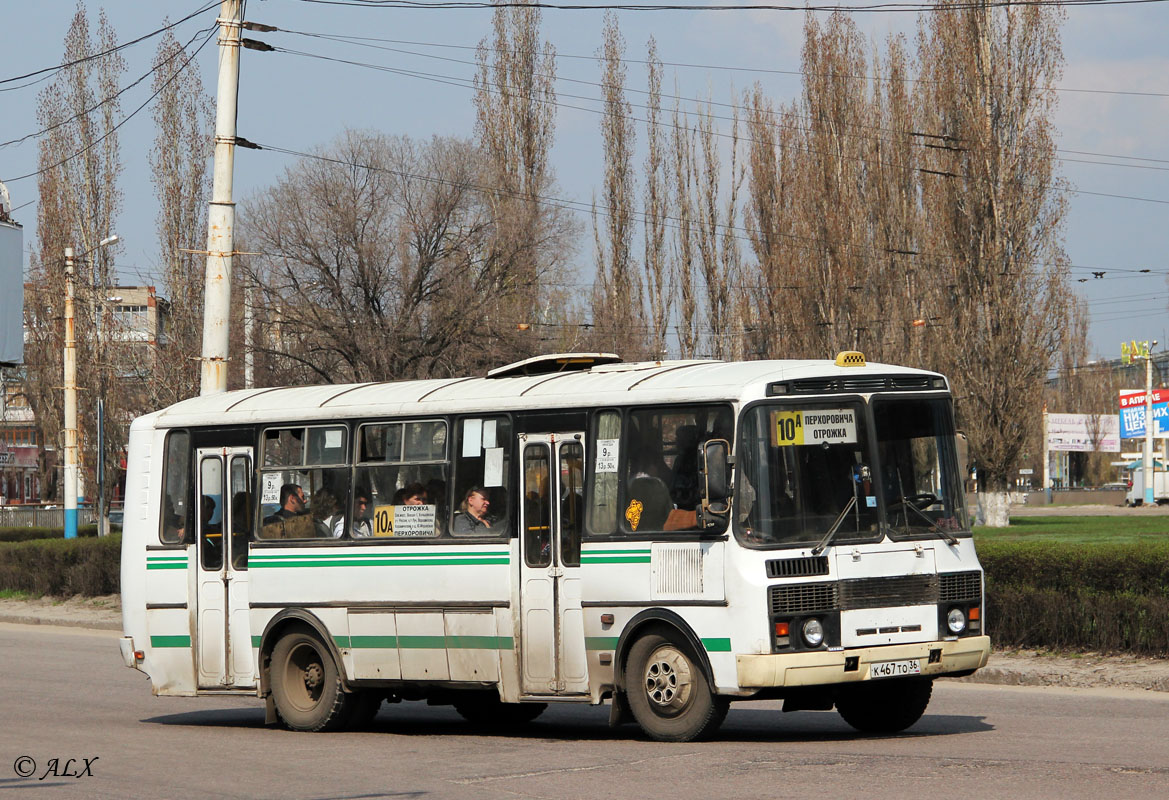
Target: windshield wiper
x,y
933,523
818,549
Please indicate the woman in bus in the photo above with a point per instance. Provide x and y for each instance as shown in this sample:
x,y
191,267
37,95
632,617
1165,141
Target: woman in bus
x,y
472,517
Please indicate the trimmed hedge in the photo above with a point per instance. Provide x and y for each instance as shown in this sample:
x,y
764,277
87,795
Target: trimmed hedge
x,y
62,567
1108,598
29,534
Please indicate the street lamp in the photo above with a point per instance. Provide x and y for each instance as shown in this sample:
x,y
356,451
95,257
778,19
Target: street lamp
x,y
70,359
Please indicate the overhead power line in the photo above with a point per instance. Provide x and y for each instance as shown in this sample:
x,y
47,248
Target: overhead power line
x,y
468,83
880,8
123,120
202,9
365,42
109,99
352,39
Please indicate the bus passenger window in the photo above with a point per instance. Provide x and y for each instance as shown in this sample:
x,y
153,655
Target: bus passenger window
x,y
211,513
241,510
175,525
483,466
663,488
606,455
537,507
301,495
401,480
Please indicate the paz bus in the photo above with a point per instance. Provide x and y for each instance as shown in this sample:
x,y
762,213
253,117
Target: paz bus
x,y
669,536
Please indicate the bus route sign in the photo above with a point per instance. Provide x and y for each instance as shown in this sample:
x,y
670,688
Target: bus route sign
x,y
819,426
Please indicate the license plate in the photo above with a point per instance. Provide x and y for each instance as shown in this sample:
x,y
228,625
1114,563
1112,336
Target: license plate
x,y
895,669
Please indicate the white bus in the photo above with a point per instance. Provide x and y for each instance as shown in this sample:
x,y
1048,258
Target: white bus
x,y
669,535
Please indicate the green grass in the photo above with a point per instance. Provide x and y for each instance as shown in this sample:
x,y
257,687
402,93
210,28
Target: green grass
x,y
14,594
1079,530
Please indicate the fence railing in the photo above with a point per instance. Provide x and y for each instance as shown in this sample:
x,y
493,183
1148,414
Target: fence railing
x,y
37,517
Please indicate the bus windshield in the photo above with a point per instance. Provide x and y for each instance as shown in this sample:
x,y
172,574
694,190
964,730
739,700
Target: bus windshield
x,y
919,476
806,475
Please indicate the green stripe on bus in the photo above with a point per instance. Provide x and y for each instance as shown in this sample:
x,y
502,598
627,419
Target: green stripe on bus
x,y
170,641
350,555
167,566
588,551
378,562
614,560
717,645
600,643
256,642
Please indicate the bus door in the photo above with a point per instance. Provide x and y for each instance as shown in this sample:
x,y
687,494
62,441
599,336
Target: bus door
x,y
224,521
552,643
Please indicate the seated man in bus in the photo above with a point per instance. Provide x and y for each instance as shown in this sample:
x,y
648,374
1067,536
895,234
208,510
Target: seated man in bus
x,y
291,520
292,504
472,516
362,526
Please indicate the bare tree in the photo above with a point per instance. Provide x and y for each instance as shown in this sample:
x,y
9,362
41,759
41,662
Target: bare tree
x,y
617,294
182,145
995,208
683,273
79,165
658,288
382,260
515,101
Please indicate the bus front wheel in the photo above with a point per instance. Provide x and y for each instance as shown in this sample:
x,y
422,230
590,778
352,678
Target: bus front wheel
x,y
306,685
668,693
884,707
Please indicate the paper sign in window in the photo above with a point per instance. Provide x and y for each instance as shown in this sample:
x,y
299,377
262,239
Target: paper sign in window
x,y
489,433
414,520
493,467
472,437
607,452
332,438
271,491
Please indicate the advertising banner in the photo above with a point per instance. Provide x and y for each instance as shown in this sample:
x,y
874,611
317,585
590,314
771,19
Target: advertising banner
x,y
1083,433
1132,413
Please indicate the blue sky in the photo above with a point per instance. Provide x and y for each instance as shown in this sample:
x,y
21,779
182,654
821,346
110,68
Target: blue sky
x,y
299,103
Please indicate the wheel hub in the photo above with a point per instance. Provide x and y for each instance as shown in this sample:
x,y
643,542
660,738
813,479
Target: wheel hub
x,y
667,679
314,676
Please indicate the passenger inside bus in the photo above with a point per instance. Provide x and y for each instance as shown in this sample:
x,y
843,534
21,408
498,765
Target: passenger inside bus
x,y
472,516
362,526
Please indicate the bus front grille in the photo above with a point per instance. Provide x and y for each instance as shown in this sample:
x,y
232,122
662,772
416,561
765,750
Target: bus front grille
x,y
898,590
955,586
797,567
798,598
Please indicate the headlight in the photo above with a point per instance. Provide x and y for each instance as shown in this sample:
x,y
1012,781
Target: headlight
x,y
956,621
813,633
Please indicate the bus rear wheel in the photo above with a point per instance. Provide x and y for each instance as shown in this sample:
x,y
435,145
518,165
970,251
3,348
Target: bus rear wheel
x,y
884,707
306,685
668,693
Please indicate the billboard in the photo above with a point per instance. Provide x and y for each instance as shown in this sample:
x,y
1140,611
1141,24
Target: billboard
x,y
11,293
1083,433
1132,413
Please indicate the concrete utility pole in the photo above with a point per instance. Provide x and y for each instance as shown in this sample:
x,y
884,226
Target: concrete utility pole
x,y
70,358
221,215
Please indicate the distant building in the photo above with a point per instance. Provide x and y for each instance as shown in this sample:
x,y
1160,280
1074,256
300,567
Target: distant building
x,y
20,448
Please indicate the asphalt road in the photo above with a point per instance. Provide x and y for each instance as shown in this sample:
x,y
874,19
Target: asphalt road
x,y
67,696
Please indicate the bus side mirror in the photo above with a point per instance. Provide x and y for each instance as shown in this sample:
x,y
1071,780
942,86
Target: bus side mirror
x,y
716,468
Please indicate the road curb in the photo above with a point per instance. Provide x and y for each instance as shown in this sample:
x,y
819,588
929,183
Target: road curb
x,y
24,619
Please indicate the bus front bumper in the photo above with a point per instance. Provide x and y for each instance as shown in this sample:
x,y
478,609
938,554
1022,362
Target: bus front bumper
x,y
934,659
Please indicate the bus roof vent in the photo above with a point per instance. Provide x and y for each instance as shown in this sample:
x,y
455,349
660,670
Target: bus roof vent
x,y
554,362
854,383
